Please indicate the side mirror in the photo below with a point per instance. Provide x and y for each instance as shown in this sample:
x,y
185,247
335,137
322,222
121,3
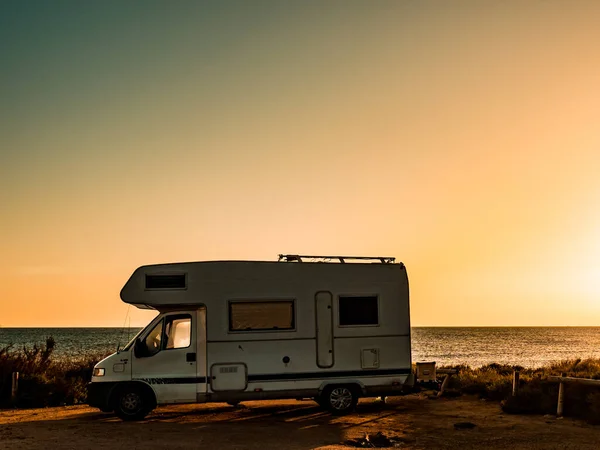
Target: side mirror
x,y
139,348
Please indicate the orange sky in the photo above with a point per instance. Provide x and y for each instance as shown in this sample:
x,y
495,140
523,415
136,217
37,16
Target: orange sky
x,y
460,137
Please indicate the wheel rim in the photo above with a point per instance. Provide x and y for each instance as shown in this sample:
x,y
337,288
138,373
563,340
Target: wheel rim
x,y
341,398
131,403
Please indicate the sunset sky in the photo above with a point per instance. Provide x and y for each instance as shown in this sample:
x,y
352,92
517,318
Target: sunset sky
x,y
461,137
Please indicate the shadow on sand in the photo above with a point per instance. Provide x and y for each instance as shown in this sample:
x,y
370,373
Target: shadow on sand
x,y
256,425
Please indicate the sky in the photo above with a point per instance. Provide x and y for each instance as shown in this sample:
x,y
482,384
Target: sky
x,y
460,137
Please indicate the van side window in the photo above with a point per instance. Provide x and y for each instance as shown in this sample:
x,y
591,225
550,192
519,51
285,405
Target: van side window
x,y
268,315
358,310
178,331
153,340
173,281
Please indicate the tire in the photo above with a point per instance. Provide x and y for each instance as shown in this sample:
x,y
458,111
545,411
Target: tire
x,y
131,403
340,399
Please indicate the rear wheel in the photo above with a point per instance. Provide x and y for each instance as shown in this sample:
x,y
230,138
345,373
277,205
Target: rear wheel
x,y
339,399
131,404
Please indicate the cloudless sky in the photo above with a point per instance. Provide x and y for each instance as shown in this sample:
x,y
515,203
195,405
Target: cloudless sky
x,y
461,137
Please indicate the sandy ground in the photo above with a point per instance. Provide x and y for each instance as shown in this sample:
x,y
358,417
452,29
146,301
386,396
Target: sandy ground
x,y
417,421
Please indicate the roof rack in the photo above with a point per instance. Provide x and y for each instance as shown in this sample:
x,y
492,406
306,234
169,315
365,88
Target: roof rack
x,y
342,259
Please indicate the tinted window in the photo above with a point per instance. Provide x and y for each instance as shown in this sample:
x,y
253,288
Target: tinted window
x,y
178,332
358,310
154,338
165,281
261,315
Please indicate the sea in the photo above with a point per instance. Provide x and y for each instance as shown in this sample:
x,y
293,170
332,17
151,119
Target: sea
x,y
529,347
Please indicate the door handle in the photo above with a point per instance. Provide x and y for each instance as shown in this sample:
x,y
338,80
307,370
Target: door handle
x,y
190,357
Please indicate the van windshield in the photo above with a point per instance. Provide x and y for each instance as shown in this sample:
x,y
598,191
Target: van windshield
x,y
132,341
137,335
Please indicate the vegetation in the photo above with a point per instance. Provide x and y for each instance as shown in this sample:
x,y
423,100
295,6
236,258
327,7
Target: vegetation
x,y
48,381
44,380
536,394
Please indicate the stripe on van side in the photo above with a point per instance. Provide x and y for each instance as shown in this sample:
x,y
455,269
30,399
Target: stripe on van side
x,y
327,374
286,376
187,380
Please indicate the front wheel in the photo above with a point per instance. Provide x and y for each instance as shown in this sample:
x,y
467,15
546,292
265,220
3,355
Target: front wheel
x,y
339,399
131,404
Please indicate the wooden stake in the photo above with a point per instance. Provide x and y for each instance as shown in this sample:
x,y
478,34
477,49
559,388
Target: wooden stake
x,y
14,387
515,390
561,396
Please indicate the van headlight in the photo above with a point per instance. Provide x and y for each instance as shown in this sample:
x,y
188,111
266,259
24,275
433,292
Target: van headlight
x,y
98,371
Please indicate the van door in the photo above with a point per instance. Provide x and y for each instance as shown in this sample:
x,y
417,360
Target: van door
x,y
201,372
167,357
324,313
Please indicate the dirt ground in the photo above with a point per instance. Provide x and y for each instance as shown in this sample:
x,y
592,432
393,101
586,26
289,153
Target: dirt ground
x,y
417,422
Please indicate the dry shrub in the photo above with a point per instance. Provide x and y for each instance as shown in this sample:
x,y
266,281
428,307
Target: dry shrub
x,y
44,381
536,395
491,382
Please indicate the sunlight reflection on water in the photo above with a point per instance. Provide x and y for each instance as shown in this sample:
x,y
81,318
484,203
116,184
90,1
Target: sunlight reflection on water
x,y
525,346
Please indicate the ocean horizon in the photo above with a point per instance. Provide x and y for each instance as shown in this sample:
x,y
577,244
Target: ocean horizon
x,y
527,346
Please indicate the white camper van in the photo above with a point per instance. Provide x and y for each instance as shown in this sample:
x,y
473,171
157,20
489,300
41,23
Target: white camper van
x,y
328,328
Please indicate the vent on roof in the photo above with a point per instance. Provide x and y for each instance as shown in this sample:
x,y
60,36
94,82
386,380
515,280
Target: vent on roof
x,y
171,281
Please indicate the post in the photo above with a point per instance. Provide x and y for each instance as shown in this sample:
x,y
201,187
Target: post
x,y
14,387
563,380
561,395
515,390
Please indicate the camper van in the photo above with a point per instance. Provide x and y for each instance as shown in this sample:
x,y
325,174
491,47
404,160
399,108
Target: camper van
x,y
326,328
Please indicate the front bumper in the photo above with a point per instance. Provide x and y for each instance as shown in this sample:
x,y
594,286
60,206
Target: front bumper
x,y
98,394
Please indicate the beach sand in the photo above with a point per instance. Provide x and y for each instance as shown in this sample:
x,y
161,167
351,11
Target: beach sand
x,y
413,422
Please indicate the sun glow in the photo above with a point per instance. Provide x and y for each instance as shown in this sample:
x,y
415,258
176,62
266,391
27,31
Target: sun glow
x,y
461,139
